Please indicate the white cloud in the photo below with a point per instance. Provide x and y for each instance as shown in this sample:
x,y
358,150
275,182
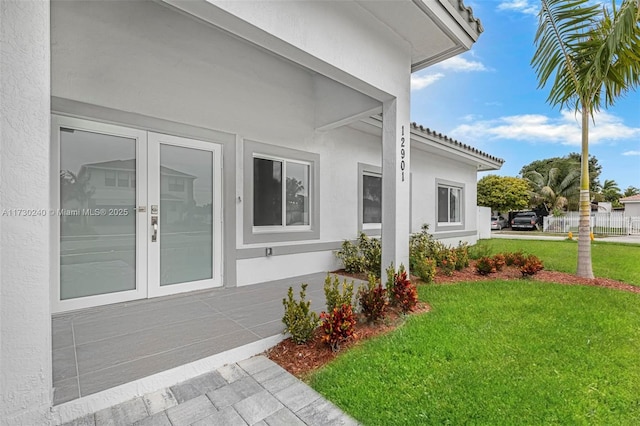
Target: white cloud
x,y
471,117
421,81
536,128
460,64
522,6
631,153
455,64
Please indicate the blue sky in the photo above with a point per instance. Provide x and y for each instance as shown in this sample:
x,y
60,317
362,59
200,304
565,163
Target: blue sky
x,y
488,98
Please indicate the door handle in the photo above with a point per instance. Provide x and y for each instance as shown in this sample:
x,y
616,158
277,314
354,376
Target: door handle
x,y
154,228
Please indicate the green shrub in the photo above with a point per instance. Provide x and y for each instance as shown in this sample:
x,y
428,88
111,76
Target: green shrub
x,y
338,325
363,256
448,260
371,249
479,250
373,299
336,294
351,257
425,270
531,266
462,256
391,281
421,246
484,266
299,320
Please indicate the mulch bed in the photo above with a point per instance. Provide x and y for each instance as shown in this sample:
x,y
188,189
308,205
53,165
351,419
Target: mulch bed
x,y
301,360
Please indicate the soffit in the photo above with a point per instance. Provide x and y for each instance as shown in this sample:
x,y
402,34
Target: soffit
x,y
435,29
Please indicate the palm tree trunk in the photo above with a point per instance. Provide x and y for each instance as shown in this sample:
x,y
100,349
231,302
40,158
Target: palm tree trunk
x,y
584,230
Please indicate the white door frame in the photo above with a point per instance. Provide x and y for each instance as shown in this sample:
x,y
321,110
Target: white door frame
x,y
147,259
155,140
140,137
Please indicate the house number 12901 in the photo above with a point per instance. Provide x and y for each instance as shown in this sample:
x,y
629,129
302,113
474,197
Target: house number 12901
x,y
403,153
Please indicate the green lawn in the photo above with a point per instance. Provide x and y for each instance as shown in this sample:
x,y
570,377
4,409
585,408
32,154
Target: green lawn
x,y
498,353
610,260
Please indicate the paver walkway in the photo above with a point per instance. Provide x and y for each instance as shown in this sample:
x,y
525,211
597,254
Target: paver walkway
x,y
255,391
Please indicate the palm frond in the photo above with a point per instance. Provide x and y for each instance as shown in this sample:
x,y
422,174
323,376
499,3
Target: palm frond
x,y
610,58
563,26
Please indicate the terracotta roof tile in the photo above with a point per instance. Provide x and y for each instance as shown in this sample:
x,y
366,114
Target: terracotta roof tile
x,y
444,138
631,198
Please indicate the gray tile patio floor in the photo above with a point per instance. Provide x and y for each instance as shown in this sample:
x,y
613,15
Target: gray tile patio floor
x,y
254,391
100,348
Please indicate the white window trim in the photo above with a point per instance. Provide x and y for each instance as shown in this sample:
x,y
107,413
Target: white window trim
x,y
368,170
280,233
449,226
284,227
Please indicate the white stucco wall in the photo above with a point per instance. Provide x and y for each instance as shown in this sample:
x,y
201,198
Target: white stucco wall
x,y
25,322
354,45
145,58
426,168
632,209
484,222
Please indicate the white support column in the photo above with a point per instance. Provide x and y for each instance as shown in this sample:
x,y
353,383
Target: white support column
x,y
25,318
395,183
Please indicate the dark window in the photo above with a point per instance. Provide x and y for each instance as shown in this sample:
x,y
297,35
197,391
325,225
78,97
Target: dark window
x,y
449,204
371,199
267,192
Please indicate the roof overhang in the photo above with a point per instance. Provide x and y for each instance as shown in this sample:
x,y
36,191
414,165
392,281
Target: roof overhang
x,y
427,140
435,29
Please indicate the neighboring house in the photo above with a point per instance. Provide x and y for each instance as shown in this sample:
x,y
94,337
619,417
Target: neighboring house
x,y
631,205
197,137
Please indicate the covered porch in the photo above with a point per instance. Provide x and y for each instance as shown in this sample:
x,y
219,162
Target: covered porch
x,y
99,349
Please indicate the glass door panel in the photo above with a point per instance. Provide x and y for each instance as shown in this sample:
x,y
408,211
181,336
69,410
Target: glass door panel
x,y
97,194
186,214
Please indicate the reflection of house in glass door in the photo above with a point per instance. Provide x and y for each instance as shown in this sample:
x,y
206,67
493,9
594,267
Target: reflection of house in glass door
x,y
113,247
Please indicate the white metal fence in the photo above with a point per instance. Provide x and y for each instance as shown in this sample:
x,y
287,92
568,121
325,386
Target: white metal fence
x,y
614,223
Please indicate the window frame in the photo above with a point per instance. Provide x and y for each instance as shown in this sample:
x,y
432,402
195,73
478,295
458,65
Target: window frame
x,y
283,200
110,182
368,228
280,233
449,226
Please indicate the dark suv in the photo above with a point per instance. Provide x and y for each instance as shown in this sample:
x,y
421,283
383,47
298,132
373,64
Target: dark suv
x,y
524,220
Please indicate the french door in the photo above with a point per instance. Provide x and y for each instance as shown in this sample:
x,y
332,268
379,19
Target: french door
x,y
137,214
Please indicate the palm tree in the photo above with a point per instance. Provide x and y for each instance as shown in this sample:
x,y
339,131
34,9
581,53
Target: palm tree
x,y
594,55
631,191
611,191
551,192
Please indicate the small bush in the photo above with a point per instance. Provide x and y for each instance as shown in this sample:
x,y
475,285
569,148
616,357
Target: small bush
x,y
371,249
405,295
391,282
299,320
338,325
479,250
351,258
364,256
421,246
337,295
448,260
425,269
462,256
499,262
373,300
514,259
532,265
484,266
